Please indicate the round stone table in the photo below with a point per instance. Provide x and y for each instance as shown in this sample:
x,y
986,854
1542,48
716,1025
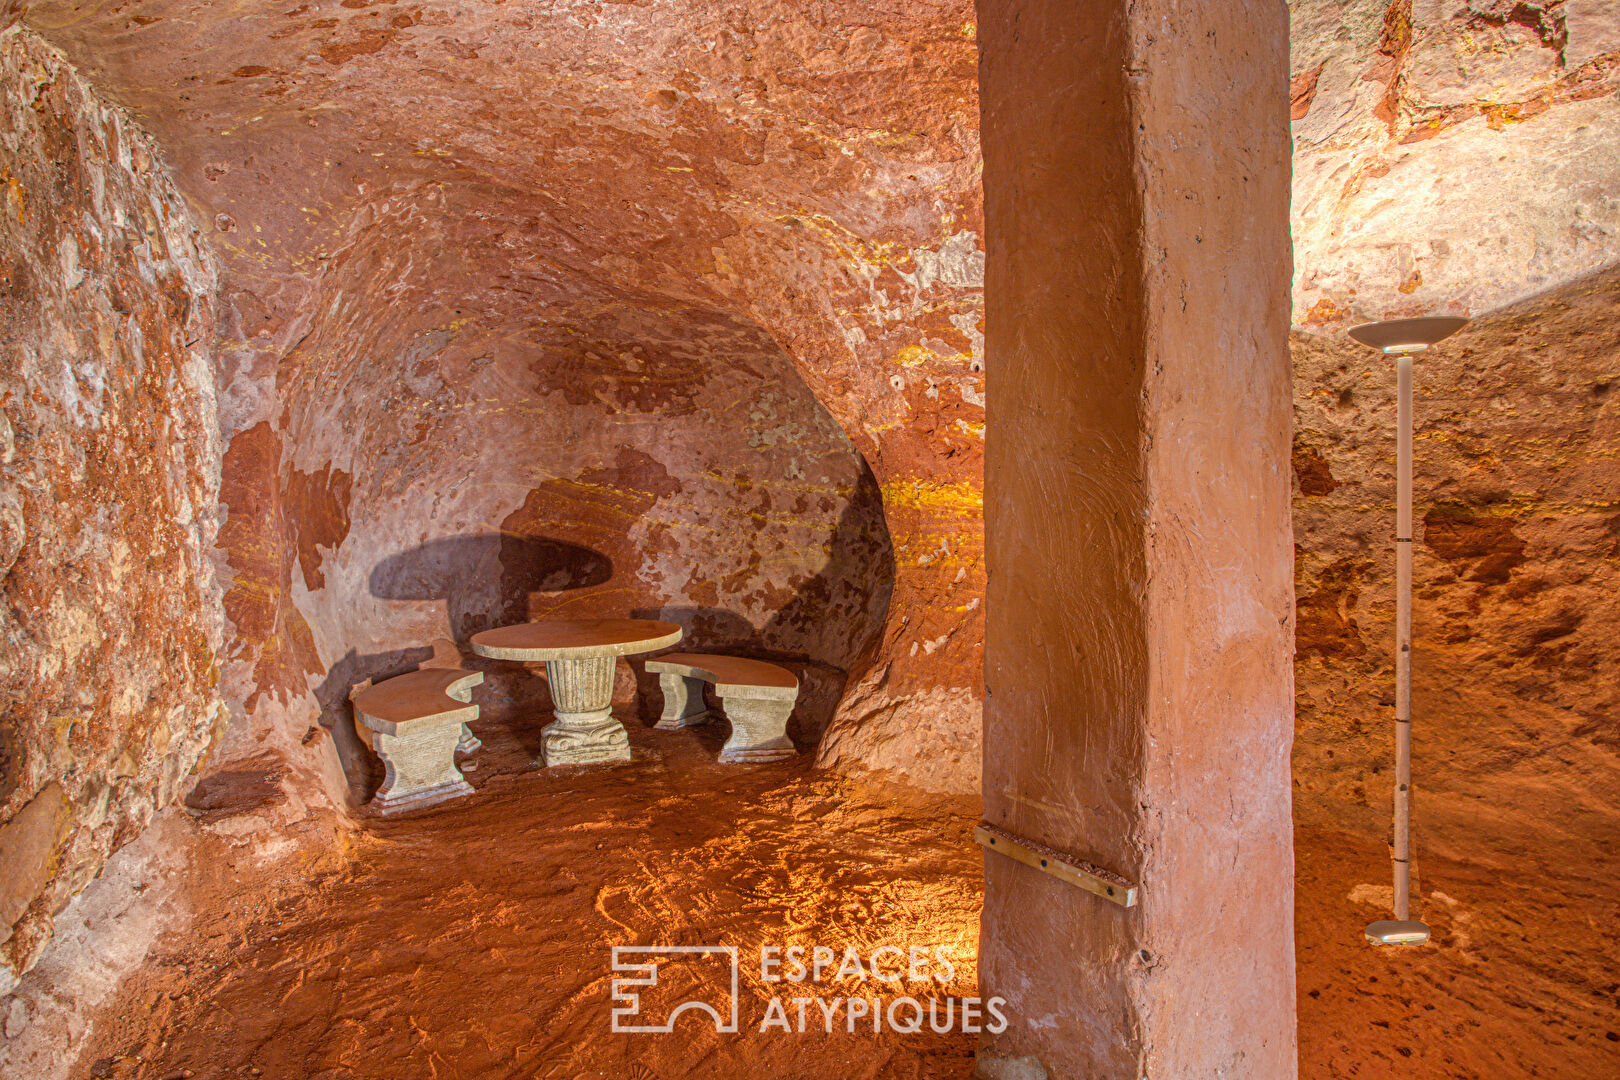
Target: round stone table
x,y
579,655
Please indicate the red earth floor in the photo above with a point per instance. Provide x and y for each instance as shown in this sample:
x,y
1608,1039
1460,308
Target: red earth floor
x,y
474,939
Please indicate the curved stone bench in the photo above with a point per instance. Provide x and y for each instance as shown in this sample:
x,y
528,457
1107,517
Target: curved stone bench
x,y
756,697
415,723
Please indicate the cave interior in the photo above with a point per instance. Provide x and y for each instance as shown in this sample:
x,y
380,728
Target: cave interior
x,y
984,366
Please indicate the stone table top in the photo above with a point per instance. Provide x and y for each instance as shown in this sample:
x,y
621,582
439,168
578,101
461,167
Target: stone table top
x,y
575,639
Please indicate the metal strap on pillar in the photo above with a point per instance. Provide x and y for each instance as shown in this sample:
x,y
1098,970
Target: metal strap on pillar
x,y
1094,879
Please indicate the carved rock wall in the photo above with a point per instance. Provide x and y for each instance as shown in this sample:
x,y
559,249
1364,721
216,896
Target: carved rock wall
x,y
1516,749
1458,158
109,476
792,185
529,286
1450,155
453,461
1516,616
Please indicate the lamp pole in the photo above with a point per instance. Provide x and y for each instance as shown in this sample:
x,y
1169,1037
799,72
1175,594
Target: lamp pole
x,y
1402,338
1403,636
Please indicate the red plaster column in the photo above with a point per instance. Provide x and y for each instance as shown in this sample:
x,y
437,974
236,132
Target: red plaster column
x,y
1139,702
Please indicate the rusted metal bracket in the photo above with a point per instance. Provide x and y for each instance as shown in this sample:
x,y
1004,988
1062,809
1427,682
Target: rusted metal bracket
x,y
1094,879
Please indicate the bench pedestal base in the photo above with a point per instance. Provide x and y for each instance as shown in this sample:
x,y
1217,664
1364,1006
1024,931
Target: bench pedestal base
x,y
683,702
419,766
416,800
755,754
758,730
684,721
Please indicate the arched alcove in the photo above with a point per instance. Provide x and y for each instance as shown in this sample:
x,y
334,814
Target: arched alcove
x,y
474,433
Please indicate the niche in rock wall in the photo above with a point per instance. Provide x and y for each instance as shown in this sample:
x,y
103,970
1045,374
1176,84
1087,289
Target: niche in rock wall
x,y
466,445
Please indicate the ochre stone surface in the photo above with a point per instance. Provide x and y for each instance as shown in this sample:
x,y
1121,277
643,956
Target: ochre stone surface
x,y
361,959
28,849
110,623
669,310
1450,157
686,298
1138,670
1516,746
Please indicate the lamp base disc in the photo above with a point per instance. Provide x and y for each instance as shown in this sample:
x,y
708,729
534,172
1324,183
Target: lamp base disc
x,y
1397,932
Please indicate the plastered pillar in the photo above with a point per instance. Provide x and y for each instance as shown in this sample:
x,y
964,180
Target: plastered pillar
x,y
1138,650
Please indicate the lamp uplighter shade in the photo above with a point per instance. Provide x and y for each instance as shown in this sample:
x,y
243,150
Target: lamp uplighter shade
x,y
1407,335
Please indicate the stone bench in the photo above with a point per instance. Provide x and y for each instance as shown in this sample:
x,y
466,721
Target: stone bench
x,y
416,723
755,696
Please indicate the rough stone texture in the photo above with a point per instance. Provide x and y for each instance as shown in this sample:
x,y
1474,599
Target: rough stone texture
x,y
110,623
1449,156
99,940
463,946
505,281
1452,159
1138,674
1516,748
1516,433
653,306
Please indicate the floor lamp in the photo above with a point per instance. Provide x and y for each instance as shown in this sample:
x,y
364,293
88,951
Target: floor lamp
x,y
1401,338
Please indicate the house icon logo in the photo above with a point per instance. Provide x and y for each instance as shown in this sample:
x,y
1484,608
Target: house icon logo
x,y
700,978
